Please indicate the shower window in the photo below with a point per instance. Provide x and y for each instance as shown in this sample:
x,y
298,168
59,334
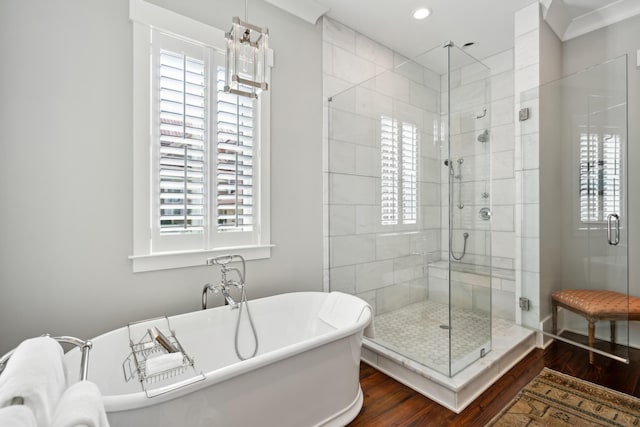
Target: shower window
x,y
599,176
399,161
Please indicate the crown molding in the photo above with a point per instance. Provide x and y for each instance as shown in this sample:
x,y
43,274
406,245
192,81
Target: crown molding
x,y
567,27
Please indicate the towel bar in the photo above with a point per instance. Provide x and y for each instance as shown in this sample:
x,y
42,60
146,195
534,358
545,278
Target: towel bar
x,y
85,347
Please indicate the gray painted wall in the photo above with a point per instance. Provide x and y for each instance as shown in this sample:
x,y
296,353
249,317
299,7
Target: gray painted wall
x,y
66,168
549,163
594,48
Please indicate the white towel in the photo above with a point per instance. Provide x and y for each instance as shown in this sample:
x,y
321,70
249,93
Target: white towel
x,y
163,363
17,416
35,372
81,405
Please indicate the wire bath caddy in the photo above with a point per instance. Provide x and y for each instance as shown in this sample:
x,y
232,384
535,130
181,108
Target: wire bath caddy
x,y
146,348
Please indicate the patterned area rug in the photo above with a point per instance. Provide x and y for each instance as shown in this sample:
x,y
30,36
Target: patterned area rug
x,y
555,399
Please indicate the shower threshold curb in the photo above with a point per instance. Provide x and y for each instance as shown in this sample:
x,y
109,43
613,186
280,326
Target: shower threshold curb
x,y
458,391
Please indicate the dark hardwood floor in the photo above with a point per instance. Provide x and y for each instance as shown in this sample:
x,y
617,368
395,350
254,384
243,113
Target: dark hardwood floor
x,y
388,403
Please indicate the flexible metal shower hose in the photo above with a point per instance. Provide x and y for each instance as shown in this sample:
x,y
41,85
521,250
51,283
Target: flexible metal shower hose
x,y
243,301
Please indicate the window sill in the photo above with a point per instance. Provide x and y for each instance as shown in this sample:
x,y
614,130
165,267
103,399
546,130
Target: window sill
x,y
169,260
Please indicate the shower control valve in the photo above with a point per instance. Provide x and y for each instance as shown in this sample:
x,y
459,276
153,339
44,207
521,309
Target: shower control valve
x,y
485,214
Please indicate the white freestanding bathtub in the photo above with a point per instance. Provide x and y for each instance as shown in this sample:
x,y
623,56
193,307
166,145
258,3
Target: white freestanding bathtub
x,y
306,371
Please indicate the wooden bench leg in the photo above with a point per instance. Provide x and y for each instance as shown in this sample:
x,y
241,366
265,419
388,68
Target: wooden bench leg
x,y
592,335
613,332
554,316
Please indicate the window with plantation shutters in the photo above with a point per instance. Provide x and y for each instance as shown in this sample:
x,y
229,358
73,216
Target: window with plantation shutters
x,y
235,146
201,155
399,161
599,176
181,143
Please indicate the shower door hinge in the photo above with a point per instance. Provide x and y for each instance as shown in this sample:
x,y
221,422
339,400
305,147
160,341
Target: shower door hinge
x,y
524,303
523,114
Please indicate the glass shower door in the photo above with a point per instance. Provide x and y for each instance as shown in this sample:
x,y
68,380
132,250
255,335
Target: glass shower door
x,y
582,201
465,188
603,194
468,114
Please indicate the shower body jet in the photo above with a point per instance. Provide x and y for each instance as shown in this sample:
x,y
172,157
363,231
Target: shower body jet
x,y
484,136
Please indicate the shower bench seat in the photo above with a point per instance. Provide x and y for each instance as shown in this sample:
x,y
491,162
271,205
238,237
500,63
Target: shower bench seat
x,y
595,305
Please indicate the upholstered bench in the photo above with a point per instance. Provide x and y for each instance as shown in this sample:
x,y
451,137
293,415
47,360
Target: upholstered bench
x,y
594,306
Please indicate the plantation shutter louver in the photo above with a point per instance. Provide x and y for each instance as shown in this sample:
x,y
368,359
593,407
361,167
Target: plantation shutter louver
x,y
599,176
235,160
409,173
399,177
182,131
390,170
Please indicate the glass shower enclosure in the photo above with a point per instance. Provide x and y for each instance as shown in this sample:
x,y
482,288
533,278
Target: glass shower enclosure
x,y
409,206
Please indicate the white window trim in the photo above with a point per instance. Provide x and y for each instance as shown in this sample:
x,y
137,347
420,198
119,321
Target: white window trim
x,y
145,16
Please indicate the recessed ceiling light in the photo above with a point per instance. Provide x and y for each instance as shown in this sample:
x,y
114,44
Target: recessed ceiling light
x,y
421,13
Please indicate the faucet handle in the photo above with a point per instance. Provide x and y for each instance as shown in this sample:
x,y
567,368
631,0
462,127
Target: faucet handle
x,y
220,260
235,283
223,261
219,288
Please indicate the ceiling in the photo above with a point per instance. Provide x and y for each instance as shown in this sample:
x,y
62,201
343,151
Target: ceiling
x,y
487,23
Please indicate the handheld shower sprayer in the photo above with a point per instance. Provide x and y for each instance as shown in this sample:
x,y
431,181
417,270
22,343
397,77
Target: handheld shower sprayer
x,y
452,172
465,236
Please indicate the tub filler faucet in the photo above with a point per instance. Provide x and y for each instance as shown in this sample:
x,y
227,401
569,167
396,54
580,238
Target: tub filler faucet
x,y
226,283
223,288
220,288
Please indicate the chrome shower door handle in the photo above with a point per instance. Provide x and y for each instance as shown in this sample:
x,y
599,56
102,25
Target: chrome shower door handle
x,y
616,238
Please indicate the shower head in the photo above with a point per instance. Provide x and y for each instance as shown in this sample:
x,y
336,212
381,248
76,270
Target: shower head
x,y
484,136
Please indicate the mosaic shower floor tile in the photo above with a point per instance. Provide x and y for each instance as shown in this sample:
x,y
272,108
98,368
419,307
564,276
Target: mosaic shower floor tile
x,y
420,331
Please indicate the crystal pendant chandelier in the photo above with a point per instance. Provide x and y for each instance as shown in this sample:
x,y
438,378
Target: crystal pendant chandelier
x,y
248,59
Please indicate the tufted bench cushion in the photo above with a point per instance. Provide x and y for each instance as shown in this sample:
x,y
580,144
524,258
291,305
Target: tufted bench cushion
x,y
596,305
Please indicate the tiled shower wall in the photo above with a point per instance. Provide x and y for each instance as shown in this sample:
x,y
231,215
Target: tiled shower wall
x,y
383,264
386,265
487,167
